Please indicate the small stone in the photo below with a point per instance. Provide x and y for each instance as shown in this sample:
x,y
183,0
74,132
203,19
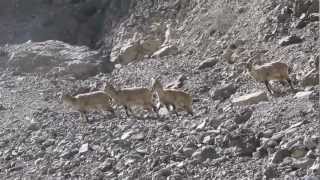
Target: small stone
x,y
138,136
309,142
250,99
48,142
311,178
69,154
175,177
188,151
206,152
243,116
303,164
165,51
268,133
315,168
292,39
210,62
84,148
2,108
303,94
202,125
310,79
165,172
34,126
208,140
270,172
279,156
126,135
223,92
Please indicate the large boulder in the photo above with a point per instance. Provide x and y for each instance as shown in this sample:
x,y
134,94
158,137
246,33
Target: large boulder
x,y
56,58
253,98
126,53
134,50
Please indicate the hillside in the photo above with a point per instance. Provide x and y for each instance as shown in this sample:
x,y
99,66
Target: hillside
x,y
239,130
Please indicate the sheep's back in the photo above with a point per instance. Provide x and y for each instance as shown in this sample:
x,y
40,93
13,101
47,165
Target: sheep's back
x,y
134,96
176,97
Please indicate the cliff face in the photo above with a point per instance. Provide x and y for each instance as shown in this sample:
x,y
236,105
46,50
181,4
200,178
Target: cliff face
x,y
72,21
239,130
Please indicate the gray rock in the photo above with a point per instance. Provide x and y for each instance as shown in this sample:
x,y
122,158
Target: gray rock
x,y
138,136
56,58
162,173
227,54
315,168
303,164
34,126
48,142
310,142
223,92
310,79
292,39
279,156
303,94
284,14
243,116
268,133
310,178
208,140
178,83
270,172
250,99
69,154
84,148
166,51
126,53
188,151
307,7
205,152
127,135
202,125
210,62
175,177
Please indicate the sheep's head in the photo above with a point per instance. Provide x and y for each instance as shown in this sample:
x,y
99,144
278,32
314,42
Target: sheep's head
x,y
108,87
156,84
67,98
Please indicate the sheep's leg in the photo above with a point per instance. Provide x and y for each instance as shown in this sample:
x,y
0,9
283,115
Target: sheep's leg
x,y
151,108
155,110
189,110
109,108
268,86
290,83
174,109
127,110
158,108
167,106
83,115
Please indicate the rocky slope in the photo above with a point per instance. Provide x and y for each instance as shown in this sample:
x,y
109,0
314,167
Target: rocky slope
x,y
239,130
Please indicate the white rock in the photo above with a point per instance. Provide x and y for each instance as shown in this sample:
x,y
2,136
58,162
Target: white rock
x,y
84,148
252,98
303,94
202,125
165,51
126,135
